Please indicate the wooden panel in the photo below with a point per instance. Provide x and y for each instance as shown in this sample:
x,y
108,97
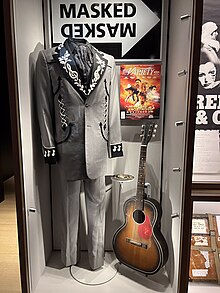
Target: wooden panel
x,y
9,257
1,190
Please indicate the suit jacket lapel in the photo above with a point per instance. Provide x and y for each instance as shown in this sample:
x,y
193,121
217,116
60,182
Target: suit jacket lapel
x,y
67,63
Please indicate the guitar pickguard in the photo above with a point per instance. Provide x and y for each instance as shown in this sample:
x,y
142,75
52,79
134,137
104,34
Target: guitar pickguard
x,y
145,229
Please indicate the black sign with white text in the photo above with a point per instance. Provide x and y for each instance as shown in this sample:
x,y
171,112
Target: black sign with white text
x,y
125,29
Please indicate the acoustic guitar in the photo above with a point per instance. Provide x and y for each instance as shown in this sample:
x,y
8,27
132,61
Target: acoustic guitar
x,y
139,243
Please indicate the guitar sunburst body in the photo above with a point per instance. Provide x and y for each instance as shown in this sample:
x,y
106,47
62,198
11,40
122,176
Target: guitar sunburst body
x,y
139,243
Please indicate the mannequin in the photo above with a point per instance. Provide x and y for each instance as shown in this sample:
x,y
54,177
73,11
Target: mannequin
x,y
79,117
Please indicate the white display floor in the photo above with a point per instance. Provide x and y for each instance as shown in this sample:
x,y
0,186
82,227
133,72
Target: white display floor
x,y
111,277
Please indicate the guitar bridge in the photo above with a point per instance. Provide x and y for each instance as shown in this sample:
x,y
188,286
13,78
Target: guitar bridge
x,y
136,243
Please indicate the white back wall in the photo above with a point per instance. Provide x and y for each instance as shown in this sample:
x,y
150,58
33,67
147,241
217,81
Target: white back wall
x,y
179,47
206,207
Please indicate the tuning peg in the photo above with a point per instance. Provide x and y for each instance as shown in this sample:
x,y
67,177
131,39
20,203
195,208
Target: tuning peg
x,y
141,135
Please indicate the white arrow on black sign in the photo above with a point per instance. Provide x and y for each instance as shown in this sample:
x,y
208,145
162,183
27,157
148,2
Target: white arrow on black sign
x,y
102,22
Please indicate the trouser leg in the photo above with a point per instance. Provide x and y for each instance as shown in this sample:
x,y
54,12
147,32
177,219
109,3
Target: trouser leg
x,y
95,206
70,222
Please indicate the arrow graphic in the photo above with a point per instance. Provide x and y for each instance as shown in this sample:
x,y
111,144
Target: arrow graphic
x,y
118,21
145,20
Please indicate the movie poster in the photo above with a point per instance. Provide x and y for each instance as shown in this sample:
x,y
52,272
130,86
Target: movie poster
x,y
207,135
208,99
140,91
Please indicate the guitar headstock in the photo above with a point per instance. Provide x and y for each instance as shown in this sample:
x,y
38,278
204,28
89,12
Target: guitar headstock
x,y
147,132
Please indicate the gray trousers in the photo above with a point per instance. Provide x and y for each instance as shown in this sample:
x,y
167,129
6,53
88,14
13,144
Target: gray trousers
x,y
95,210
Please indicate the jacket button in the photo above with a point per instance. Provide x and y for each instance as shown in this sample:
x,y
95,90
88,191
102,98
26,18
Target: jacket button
x,y
86,105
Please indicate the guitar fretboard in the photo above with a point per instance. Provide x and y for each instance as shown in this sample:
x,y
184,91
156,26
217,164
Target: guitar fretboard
x,y
141,177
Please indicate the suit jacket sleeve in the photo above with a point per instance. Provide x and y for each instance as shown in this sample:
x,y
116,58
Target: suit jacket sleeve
x,y
115,141
44,97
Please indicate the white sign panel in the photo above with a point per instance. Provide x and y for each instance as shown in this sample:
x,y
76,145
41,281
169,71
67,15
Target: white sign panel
x,y
120,21
207,153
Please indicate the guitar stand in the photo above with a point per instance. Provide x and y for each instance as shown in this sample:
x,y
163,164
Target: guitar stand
x,y
147,189
121,264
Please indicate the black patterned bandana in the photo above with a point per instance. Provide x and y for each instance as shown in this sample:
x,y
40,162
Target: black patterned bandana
x,y
82,63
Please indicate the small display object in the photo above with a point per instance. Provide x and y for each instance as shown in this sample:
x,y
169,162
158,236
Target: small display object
x,y
122,177
140,91
205,248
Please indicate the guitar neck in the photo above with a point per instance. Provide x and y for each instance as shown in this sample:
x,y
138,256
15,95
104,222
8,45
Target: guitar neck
x,y
141,176
147,134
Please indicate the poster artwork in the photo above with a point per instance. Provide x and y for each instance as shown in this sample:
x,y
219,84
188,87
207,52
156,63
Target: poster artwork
x,y
140,91
208,99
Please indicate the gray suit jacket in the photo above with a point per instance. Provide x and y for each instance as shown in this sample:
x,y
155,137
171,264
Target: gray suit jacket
x,y
79,124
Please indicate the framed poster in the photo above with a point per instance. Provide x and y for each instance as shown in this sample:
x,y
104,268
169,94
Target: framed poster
x,y
123,29
206,167
208,100
140,91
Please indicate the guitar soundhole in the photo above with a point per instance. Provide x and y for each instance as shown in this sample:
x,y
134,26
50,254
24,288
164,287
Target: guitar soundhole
x,y
138,216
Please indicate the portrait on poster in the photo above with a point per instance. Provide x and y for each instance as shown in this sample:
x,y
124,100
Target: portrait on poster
x,y
140,91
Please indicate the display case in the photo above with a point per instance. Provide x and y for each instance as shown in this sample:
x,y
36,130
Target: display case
x,y
206,154
29,28
205,193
